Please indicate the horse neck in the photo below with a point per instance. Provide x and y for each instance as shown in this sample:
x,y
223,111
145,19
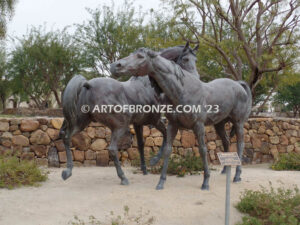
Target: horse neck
x,y
169,76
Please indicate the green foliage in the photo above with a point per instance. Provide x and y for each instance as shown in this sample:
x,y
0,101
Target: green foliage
x,y
6,12
4,83
110,35
181,166
288,161
15,172
42,63
289,97
270,207
143,218
247,41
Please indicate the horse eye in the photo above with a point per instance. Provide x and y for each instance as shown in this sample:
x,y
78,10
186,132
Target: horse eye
x,y
185,59
139,55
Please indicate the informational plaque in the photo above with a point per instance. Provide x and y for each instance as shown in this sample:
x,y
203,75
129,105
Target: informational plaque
x,y
229,158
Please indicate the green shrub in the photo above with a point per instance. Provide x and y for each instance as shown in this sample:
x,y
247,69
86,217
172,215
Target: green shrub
x,y
15,172
270,207
143,218
288,161
181,166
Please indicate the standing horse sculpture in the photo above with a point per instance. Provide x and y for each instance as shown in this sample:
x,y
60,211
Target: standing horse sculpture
x,y
106,91
230,100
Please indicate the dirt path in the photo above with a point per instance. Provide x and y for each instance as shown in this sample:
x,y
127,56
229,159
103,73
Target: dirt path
x,y
96,191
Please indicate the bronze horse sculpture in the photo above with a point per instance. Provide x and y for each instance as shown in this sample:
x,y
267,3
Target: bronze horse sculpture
x,y
181,87
80,92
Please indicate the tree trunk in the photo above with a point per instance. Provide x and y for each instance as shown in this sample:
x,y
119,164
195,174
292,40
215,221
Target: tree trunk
x,y
266,99
3,103
57,98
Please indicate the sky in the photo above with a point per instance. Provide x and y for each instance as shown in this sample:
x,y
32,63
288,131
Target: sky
x,y
57,14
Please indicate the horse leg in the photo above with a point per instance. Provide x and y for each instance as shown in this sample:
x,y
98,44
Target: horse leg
x,y
113,150
199,130
171,133
66,135
139,135
220,129
239,129
161,127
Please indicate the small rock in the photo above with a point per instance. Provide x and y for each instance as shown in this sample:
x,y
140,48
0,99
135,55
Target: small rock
x,y
212,155
44,127
188,139
57,123
99,144
4,126
100,132
53,133
78,155
7,135
17,132
6,142
293,140
149,141
211,136
91,132
256,143
39,150
290,148
146,131
158,141
155,133
102,158
42,121
81,141
133,153
274,140
233,147
178,136
264,148
59,144
176,143
62,157
29,125
90,155
211,145
284,140
27,156
269,132
13,127
20,140
53,160
39,137
261,130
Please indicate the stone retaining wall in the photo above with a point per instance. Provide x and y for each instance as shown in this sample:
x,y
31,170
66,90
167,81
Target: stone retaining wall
x,y
37,139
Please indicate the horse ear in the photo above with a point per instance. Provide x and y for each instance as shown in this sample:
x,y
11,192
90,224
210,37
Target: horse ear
x,y
196,48
186,46
152,54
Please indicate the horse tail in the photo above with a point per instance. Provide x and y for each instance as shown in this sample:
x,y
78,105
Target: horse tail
x,y
249,102
70,99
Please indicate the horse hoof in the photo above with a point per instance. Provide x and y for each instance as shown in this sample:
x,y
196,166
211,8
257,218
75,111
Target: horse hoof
x,y
159,187
124,181
66,174
223,172
237,179
153,161
145,172
205,187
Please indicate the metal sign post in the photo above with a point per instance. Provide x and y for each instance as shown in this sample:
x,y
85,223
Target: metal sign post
x,y
228,159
